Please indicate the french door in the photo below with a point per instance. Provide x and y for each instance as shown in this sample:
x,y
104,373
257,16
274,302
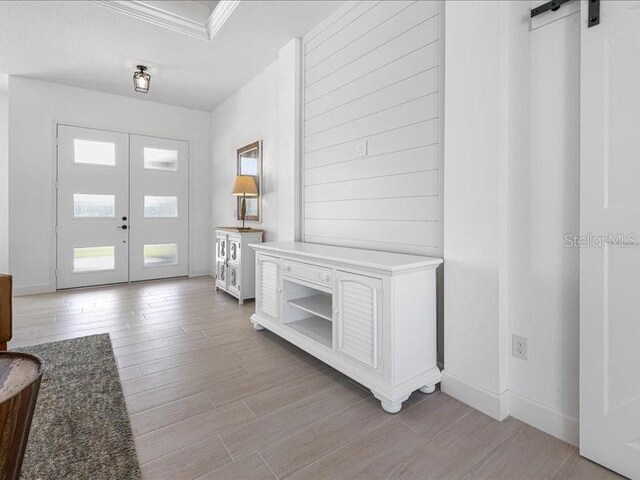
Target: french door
x,y
610,228
122,211
159,208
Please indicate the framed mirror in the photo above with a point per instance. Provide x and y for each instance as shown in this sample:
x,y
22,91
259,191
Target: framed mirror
x,y
250,163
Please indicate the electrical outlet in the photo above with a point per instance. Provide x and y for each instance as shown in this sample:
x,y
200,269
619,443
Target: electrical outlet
x,y
519,346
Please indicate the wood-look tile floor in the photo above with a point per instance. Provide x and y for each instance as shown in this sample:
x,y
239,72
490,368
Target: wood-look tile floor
x,y
211,398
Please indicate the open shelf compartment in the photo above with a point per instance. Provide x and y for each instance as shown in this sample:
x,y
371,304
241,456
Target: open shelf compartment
x,y
318,305
316,328
308,310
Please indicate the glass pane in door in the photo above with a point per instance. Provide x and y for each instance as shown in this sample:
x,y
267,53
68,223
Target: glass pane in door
x,y
93,205
160,159
94,153
160,254
92,259
160,207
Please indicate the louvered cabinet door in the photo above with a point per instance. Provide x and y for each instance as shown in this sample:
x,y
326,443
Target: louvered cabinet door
x,y
359,306
268,286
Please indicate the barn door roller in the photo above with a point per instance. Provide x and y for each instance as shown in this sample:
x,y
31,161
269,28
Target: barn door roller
x,y
553,5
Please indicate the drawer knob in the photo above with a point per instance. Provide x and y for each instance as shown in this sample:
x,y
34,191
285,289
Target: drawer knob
x,y
324,277
287,268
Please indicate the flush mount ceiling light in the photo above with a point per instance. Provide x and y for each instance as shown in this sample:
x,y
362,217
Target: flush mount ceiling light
x,y
141,79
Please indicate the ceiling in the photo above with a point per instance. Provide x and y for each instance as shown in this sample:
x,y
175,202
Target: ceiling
x,y
87,45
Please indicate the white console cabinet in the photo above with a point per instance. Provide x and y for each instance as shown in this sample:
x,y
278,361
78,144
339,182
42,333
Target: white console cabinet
x,y
370,315
235,261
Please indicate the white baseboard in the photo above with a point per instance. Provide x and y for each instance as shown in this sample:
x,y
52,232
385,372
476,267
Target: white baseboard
x,y
491,403
33,289
204,272
501,405
544,418
20,291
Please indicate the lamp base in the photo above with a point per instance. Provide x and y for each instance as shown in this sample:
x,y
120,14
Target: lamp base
x,y
243,209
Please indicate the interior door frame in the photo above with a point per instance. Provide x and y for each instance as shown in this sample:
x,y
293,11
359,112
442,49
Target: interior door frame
x,y
53,249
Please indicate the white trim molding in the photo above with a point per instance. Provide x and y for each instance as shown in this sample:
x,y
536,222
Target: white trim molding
x,y
203,272
491,403
163,18
20,291
509,403
220,15
544,418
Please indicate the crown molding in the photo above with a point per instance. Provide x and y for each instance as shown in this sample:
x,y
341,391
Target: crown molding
x,y
220,15
151,14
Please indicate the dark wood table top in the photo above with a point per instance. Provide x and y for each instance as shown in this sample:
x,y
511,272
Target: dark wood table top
x,y
17,371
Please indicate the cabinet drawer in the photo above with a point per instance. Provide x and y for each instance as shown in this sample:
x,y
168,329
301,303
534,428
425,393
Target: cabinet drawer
x,y
310,273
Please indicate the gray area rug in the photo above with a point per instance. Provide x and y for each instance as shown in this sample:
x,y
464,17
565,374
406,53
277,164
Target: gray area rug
x,y
80,428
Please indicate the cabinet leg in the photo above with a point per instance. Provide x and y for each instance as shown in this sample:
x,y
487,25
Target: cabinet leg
x,y
389,405
257,326
241,301
428,389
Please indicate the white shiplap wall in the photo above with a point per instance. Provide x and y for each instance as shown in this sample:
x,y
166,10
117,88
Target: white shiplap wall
x,y
371,73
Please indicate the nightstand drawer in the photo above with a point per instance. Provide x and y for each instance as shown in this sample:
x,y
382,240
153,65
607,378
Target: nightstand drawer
x,y
310,273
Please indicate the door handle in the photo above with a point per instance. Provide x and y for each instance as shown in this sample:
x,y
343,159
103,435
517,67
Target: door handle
x,y
123,227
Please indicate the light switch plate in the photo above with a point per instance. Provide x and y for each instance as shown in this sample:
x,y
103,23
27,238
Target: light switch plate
x,y
361,149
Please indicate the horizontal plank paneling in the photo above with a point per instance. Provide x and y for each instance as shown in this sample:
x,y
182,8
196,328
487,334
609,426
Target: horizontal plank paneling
x,y
403,208
341,18
399,93
374,245
419,37
396,140
371,105
401,232
404,21
409,185
398,116
405,161
422,59
367,25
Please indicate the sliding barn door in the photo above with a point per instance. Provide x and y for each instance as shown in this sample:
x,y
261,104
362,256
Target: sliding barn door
x,y
159,208
610,229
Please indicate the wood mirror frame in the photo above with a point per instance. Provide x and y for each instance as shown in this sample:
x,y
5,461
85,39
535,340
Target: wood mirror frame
x,y
254,204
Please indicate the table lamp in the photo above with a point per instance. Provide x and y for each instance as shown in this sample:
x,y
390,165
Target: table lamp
x,y
244,186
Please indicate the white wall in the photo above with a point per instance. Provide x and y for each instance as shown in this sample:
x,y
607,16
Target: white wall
x,y
511,194
267,108
250,114
371,75
544,159
4,183
289,127
34,109
474,216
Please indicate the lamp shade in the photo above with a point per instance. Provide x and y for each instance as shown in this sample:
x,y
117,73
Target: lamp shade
x,y
245,185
